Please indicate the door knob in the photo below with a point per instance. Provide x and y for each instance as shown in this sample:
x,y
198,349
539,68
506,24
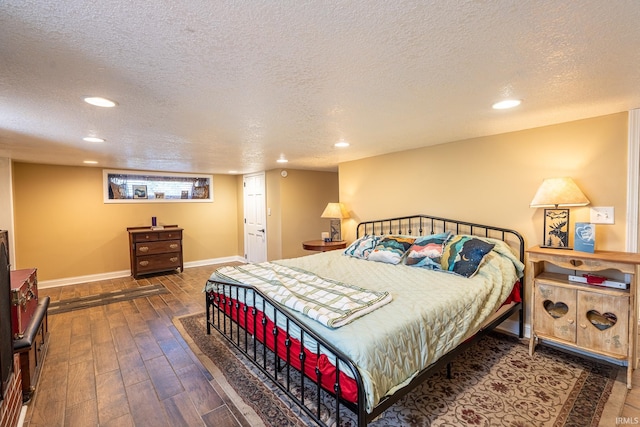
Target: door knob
x,y
261,230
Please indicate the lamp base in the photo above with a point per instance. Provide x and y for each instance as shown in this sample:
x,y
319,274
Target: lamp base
x,y
335,230
556,229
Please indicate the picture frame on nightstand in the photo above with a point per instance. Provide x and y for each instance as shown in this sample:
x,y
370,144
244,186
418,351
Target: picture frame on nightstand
x,y
585,237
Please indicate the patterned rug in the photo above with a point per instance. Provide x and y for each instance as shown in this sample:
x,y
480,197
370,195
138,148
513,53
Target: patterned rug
x,y
495,383
66,305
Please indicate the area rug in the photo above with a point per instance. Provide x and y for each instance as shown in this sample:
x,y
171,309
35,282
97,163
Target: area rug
x,y
494,383
70,304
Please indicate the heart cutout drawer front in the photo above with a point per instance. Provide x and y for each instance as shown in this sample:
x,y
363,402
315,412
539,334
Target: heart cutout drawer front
x,y
602,321
555,309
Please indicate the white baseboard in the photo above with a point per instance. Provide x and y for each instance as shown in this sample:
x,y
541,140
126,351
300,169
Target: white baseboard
x,y
125,273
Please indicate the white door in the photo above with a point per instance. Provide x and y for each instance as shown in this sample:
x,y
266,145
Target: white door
x,y
255,218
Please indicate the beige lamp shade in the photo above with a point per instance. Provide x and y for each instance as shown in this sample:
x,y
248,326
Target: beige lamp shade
x,y
554,192
335,210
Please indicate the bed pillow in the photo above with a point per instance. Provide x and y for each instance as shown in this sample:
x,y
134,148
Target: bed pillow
x,y
390,249
362,247
463,254
426,251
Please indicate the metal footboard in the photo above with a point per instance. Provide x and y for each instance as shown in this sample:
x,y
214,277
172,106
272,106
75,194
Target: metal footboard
x,y
282,348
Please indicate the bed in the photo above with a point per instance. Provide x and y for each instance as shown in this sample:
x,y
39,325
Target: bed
x,y
423,318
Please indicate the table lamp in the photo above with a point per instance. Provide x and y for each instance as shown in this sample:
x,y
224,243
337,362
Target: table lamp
x,y
553,193
335,211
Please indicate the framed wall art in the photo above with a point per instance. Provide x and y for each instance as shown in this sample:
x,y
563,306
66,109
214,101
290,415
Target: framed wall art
x,y
139,191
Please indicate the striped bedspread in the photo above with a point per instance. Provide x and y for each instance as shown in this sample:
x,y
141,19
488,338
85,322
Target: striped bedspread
x,y
327,301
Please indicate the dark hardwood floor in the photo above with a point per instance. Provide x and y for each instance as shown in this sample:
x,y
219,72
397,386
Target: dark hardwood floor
x,y
125,364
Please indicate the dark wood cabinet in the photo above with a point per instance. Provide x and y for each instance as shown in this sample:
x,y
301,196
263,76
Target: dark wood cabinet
x,y
32,348
155,250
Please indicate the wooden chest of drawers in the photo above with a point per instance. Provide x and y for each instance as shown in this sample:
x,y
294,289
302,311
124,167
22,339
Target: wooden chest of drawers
x,y
154,251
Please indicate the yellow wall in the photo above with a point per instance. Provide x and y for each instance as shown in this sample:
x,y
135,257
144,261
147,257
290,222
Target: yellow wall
x,y
63,227
492,179
296,203
304,195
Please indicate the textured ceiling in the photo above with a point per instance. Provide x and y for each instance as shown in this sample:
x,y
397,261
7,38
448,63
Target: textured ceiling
x,y
213,86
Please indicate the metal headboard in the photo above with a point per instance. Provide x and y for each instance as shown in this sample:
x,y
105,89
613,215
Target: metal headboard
x,y
420,225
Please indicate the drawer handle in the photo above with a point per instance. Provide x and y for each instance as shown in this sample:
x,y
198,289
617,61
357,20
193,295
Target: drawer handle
x,y
144,263
146,236
173,259
143,248
583,326
570,321
173,245
575,262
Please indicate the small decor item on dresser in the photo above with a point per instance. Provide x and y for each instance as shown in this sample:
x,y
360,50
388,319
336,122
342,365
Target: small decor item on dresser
x,y
585,237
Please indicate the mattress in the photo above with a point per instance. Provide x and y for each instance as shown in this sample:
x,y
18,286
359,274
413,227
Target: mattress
x,y
430,314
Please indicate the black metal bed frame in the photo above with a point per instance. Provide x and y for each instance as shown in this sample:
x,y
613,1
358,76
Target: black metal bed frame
x,y
246,329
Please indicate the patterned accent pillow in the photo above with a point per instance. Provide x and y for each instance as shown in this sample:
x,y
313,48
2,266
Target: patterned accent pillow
x,y
426,251
391,249
463,254
362,247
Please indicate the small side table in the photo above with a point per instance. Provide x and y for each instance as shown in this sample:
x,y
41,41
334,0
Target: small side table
x,y
322,246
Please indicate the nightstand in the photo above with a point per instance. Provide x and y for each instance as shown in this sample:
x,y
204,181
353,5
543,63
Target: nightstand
x,y
593,318
322,246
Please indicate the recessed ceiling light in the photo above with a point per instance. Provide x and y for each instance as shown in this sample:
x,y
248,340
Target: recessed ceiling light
x,y
92,139
99,101
507,103
90,162
233,172
341,144
282,160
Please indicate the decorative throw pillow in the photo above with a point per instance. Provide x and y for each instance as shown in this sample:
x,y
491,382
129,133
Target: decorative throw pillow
x,y
362,247
426,251
463,255
391,249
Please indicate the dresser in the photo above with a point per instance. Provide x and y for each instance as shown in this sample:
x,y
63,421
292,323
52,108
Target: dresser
x,y
155,250
588,317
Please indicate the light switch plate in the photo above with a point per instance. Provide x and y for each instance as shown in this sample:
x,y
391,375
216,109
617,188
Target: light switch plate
x,y
602,215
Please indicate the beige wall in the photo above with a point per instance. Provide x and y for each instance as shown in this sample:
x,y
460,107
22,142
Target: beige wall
x,y
492,180
63,227
296,203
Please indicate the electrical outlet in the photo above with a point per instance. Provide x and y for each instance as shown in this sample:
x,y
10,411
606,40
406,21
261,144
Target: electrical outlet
x,y
602,215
